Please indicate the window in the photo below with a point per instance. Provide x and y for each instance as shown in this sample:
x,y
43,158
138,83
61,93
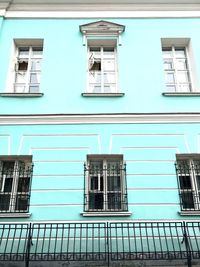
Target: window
x,y
15,182
28,69
188,174
105,183
102,39
102,74
177,74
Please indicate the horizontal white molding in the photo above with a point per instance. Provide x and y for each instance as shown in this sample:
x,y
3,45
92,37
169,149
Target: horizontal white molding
x,y
117,13
155,118
102,221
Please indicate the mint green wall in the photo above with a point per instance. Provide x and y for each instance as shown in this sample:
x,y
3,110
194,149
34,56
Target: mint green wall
x,y
59,152
64,66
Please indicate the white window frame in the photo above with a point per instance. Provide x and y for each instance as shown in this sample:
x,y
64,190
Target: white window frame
x,y
192,75
102,34
28,72
102,71
175,70
10,84
103,188
15,175
192,175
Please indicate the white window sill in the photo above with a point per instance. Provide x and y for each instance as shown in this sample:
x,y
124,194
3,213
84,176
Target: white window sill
x,y
104,94
14,215
181,93
189,213
104,214
21,94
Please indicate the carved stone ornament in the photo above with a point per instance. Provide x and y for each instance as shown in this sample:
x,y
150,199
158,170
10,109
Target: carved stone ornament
x,y
102,27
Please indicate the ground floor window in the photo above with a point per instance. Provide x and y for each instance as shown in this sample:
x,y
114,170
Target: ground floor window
x,y
15,183
105,183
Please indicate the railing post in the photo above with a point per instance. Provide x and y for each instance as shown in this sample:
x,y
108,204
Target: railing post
x,y
29,243
187,246
107,241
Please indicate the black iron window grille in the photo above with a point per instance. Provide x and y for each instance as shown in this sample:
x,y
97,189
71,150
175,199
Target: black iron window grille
x,y
106,243
105,184
15,183
188,175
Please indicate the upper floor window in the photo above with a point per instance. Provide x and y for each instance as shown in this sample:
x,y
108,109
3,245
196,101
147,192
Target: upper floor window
x,y
28,69
105,184
179,66
176,67
15,183
102,71
188,174
102,39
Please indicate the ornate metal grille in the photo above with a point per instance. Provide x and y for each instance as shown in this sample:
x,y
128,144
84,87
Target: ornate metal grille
x,y
105,186
15,183
188,175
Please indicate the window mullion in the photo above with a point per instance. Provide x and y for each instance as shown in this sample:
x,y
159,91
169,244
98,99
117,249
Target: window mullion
x,y
29,70
102,70
105,170
175,68
13,193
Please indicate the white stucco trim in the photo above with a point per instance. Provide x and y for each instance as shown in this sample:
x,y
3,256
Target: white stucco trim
x,y
106,14
99,119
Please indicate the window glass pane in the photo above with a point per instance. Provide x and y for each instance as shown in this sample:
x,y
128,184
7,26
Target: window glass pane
x,y
181,64
167,53
36,65
95,88
187,200
95,49
23,52
198,182
37,51
171,88
20,88
35,78
180,52
95,66
169,77
184,88
108,52
109,78
109,65
22,65
183,77
21,202
108,49
96,201
114,201
23,184
20,77
4,202
168,64
95,77
109,88
185,182
34,89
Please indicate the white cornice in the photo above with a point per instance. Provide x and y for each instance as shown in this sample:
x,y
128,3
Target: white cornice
x,y
99,119
102,14
100,8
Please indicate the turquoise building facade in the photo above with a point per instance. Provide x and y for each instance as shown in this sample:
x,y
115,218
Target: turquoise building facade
x,y
103,100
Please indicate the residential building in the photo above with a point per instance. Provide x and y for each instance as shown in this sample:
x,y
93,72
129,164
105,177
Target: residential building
x,y
99,133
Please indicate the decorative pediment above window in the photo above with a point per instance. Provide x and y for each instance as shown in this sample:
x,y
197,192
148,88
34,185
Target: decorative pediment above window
x,y
102,28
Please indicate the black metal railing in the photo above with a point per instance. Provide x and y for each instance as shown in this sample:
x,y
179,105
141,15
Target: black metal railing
x,y
102,242
14,202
